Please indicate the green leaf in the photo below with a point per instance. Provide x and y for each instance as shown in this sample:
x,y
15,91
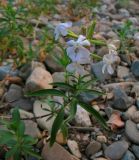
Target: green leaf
x,y
92,91
16,115
90,30
62,85
72,111
6,137
64,130
95,113
97,42
32,153
11,152
21,129
56,126
46,92
29,140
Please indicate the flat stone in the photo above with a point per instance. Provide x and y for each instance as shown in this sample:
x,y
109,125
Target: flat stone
x,y
116,150
56,152
39,79
128,156
135,150
132,132
39,110
135,68
93,148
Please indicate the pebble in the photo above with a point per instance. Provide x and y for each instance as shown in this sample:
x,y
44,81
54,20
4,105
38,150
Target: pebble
x,y
122,72
82,117
14,93
121,100
128,156
39,110
56,152
135,89
74,148
93,148
52,65
130,112
58,76
132,132
32,129
39,79
101,139
135,150
116,150
135,68
26,69
135,117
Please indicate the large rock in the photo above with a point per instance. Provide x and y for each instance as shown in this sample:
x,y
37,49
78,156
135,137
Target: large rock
x,y
132,132
39,79
56,152
41,109
116,150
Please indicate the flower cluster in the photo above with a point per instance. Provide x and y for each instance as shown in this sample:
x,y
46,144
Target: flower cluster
x,y
79,54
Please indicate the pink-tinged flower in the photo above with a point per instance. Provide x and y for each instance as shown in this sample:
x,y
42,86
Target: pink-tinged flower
x,y
77,52
61,29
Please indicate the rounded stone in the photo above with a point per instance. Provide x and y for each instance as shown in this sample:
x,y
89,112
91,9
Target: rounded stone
x,y
128,156
116,150
135,68
132,132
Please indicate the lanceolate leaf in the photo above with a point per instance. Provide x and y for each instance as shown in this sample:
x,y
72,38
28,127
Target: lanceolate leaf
x,y
96,114
92,91
56,126
62,85
90,30
46,92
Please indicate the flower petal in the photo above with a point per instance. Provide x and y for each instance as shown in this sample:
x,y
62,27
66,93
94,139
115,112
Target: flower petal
x,y
110,69
85,43
81,38
71,43
67,24
104,68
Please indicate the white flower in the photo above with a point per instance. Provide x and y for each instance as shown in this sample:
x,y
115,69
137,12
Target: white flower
x,y
110,59
61,29
77,52
76,68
